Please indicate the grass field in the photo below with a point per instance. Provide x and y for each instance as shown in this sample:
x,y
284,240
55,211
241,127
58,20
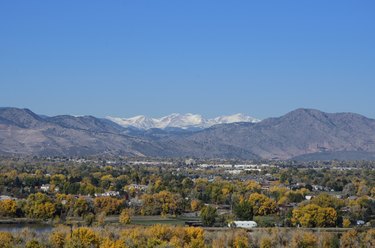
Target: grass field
x,y
153,220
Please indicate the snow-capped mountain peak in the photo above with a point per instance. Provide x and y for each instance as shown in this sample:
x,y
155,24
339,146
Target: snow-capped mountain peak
x,y
176,120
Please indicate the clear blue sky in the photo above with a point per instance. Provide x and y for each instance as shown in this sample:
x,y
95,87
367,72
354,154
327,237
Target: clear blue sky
x,y
125,58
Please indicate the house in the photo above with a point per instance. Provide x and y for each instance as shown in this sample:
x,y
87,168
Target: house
x,y
308,197
243,224
138,187
45,187
108,193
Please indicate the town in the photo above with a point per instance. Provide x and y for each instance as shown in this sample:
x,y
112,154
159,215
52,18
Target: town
x,y
214,195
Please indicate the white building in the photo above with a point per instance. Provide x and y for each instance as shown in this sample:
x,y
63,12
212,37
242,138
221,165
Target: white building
x,y
308,197
108,193
45,187
138,186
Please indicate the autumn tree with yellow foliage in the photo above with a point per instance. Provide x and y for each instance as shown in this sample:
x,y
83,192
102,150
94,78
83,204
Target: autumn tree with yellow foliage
x,y
262,205
8,208
312,215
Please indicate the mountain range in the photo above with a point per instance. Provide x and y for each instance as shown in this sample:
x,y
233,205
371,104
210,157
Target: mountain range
x,y
183,121
301,134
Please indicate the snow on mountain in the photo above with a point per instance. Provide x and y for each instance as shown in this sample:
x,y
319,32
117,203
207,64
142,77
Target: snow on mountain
x,y
184,121
234,118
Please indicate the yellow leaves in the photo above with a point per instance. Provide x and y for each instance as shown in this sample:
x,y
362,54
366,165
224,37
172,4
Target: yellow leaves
x,y
125,216
252,186
284,195
304,240
33,244
369,239
57,179
81,207
326,200
225,191
108,243
162,203
164,236
350,239
135,237
283,200
85,237
353,238
312,215
241,240
39,206
346,223
106,181
158,184
266,242
278,191
161,232
108,204
262,205
195,205
192,233
6,240
8,208
57,239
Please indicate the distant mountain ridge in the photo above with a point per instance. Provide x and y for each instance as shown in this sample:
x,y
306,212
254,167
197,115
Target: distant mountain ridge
x,y
183,121
306,134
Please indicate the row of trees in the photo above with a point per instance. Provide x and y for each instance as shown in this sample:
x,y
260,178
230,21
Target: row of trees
x,y
183,237
322,211
42,206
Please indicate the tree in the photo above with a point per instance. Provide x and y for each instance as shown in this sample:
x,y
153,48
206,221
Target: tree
x,y
57,239
304,240
8,208
108,243
349,189
312,215
81,207
350,239
369,239
33,244
195,205
208,215
252,186
108,205
125,216
83,237
346,223
6,240
243,210
241,240
100,218
262,205
162,203
39,206
325,200
266,242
